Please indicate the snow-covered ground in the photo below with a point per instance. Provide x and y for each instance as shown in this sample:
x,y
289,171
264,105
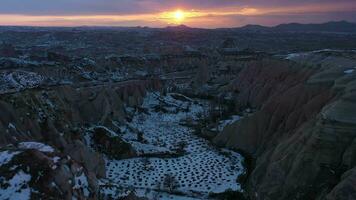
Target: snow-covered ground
x,y
226,122
6,156
81,183
36,145
19,80
349,71
197,167
17,187
293,56
18,178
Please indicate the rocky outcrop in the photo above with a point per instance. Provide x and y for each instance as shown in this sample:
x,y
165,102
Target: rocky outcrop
x,y
270,87
59,116
92,161
346,189
110,144
302,134
42,174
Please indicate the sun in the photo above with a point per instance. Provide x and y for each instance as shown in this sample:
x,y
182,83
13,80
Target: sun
x,y
178,15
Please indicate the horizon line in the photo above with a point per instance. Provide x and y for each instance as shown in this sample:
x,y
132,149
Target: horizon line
x,y
173,25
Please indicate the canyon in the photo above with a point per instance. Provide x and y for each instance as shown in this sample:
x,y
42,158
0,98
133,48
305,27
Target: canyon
x,y
176,119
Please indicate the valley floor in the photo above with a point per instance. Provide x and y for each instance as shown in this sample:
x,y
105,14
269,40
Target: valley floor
x,y
172,162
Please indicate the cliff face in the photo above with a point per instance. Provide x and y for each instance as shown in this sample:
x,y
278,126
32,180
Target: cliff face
x,y
44,114
58,117
302,135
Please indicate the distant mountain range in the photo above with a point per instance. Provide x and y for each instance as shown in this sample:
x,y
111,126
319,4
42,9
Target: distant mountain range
x,y
335,27
339,26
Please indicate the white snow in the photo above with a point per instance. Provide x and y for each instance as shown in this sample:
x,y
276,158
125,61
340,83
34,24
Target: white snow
x,y
292,56
17,188
162,131
19,80
36,145
81,183
11,126
349,71
6,156
201,169
112,133
148,148
56,159
226,122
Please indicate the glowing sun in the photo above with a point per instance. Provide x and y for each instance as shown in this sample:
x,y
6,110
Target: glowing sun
x,y
179,16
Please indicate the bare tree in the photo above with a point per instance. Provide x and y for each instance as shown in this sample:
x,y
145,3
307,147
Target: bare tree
x,y
181,146
140,136
146,164
170,182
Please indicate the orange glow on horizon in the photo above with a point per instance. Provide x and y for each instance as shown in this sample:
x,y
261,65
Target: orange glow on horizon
x,y
157,19
197,18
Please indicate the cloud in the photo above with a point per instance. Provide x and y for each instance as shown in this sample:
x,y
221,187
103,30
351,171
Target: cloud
x,y
80,7
204,13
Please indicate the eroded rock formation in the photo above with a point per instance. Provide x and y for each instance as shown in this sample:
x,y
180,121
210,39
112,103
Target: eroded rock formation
x,y
302,136
58,117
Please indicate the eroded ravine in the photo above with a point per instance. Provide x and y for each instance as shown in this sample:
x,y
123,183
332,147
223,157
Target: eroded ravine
x,y
171,162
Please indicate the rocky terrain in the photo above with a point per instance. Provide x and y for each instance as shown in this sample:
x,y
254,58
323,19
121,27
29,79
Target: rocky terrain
x,y
86,115
302,135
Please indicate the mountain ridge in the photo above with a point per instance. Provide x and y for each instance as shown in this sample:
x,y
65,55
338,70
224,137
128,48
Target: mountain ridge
x,y
331,26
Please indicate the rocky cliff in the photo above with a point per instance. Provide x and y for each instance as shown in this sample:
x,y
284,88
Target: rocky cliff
x,y
302,135
56,118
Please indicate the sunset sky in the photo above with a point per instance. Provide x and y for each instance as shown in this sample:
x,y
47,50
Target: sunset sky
x,y
160,13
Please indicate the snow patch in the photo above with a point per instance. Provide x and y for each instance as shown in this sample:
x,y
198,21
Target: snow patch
x,y
81,183
36,145
349,71
6,156
224,123
16,188
19,80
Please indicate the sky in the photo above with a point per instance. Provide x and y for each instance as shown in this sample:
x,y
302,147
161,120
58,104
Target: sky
x,y
161,13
